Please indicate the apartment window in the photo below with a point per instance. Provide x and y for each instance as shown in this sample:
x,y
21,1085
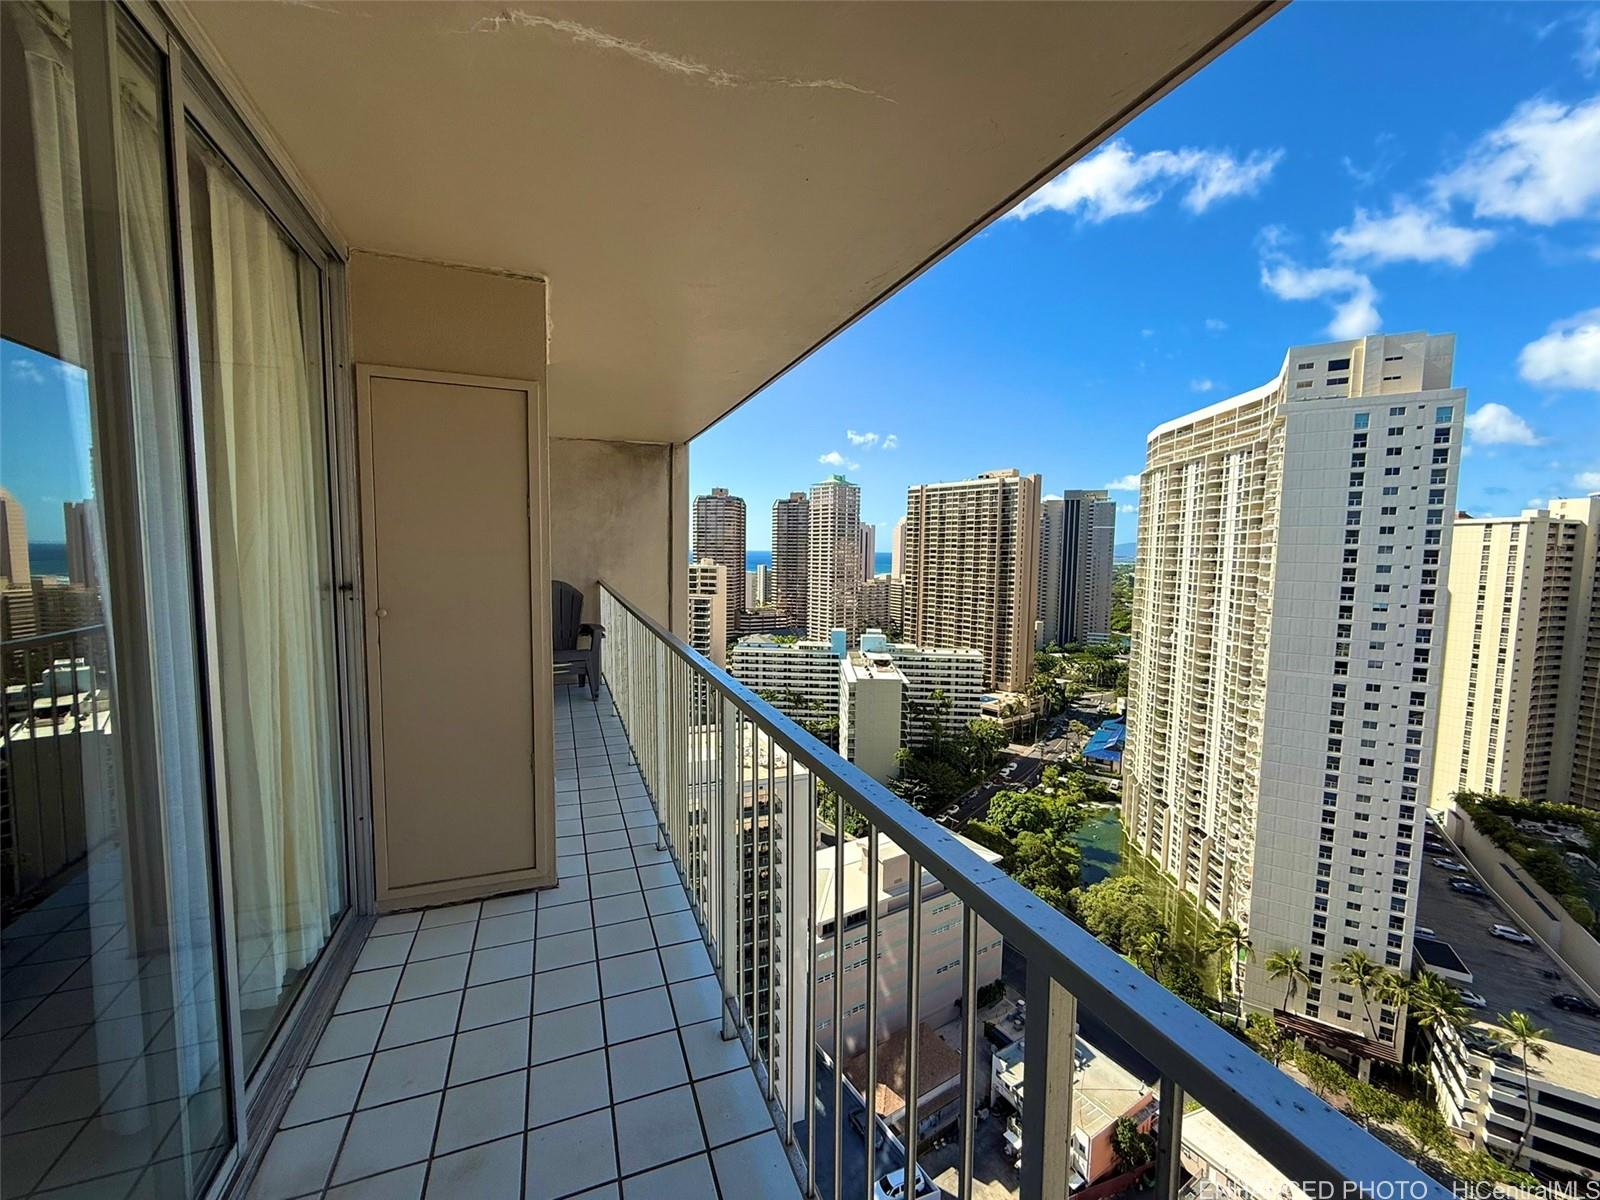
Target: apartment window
x,y
1443,413
1362,420
1399,410
1338,364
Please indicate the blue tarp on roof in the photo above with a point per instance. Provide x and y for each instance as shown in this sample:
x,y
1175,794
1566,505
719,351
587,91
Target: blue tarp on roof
x,y
1106,744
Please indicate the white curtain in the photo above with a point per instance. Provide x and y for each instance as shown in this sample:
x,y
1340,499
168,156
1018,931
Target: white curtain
x,y
264,447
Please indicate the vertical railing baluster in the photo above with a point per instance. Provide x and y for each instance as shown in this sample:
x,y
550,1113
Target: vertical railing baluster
x,y
870,974
728,948
742,942
772,914
840,813
913,1019
969,1044
1047,1108
1169,1139
811,989
792,913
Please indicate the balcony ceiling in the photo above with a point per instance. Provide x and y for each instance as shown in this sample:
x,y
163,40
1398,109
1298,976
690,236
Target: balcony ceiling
x,y
711,190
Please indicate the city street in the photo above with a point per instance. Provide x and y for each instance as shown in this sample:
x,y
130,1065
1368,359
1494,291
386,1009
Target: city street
x,y
1027,763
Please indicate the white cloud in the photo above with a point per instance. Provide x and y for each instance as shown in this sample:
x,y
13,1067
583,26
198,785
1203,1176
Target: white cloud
x,y
1125,509
1568,356
860,439
1201,385
834,459
1408,234
1216,324
25,371
1537,502
1542,165
1496,425
1117,180
1587,52
1128,483
1589,481
891,441
1354,299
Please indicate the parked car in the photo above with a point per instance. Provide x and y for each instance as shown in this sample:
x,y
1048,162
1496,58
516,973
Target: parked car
x,y
1510,933
1473,1000
1576,1004
893,1186
1448,864
1467,887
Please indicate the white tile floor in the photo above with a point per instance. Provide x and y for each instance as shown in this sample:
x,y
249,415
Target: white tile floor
x,y
565,1043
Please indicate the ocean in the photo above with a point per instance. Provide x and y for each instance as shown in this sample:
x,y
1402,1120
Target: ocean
x,y
763,558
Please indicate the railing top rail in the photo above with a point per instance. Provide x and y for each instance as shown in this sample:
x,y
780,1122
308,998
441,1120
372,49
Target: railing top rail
x,y
1305,1138
45,639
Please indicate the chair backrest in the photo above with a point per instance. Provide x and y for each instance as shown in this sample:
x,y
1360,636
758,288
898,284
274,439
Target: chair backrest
x,y
566,614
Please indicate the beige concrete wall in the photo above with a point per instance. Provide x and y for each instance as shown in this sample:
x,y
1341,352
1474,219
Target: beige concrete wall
x,y
408,313
617,513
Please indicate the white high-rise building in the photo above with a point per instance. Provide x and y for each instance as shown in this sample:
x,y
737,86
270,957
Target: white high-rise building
x,y
708,610
791,522
1284,684
897,550
719,536
833,557
1519,709
972,570
801,679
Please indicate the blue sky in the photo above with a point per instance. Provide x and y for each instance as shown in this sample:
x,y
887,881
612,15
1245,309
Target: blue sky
x,y
1344,170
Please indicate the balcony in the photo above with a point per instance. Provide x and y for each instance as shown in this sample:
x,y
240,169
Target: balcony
x,y
644,1023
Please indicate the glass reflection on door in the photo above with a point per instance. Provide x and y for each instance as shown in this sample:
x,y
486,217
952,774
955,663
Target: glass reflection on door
x,y
114,1080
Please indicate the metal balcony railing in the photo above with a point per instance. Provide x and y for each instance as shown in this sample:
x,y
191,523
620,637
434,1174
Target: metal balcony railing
x,y
735,784
54,749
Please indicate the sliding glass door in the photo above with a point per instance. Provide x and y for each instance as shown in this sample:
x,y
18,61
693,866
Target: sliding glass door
x,y
265,431
175,791
115,1076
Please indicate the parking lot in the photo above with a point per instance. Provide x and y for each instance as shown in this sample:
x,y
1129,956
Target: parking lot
x,y
1509,976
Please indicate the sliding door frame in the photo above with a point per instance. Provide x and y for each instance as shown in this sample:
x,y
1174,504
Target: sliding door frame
x,y
195,100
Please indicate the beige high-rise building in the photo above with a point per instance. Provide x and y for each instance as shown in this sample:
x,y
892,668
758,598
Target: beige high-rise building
x,y
1284,683
1519,708
897,550
708,610
791,523
719,536
972,570
16,574
833,559
78,517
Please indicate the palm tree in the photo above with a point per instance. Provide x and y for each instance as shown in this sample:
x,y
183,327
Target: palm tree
x,y
1286,964
1435,1002
1358,971
1230,944
1152,949
1521,1034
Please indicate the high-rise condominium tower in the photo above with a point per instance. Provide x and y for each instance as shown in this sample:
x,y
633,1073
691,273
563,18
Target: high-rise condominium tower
x,y
17,618
1284,683
869,550
1051,517
897,550
972,570
1519,709
1089,531
719,533
78,516
791,522
708,610
834,557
